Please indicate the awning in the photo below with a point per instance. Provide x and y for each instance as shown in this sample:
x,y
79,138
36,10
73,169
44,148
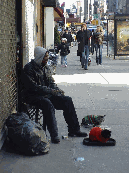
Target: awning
x,y
59,11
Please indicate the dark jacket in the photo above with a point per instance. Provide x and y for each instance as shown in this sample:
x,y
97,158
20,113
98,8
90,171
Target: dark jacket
x,y
98,38
64,49
68,37
37,81
83,38
92,38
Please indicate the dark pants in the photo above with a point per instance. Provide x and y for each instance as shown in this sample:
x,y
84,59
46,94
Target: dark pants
x,y
48,107
99,53
85,55
92,48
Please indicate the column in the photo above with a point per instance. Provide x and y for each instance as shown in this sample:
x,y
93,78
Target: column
x,y
49,27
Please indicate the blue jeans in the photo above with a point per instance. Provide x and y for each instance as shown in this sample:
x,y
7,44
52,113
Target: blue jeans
x,y
85,55
99,53
64,59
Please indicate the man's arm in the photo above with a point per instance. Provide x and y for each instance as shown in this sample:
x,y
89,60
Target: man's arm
x,y
30,84
78,37
51,81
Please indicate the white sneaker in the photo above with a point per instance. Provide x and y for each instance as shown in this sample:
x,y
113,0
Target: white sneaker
x,y
65,65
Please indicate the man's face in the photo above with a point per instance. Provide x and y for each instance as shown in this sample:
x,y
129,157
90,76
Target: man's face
x,y
63,41
83,27
45,59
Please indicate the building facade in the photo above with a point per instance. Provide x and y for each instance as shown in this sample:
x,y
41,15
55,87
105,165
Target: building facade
x,y
25,24
118,6
8,86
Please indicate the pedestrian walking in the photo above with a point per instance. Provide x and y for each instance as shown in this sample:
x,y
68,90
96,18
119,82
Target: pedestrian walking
x,y
83,39
64,51
92,42
68,36
39,89
61,33
99,44
73,38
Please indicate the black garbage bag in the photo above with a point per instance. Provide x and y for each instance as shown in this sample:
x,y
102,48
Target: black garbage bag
x,y
26,135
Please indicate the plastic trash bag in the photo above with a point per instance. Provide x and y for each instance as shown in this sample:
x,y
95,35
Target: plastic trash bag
x,y
26,135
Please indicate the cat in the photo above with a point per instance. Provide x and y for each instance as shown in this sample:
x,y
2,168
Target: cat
x,y
92,120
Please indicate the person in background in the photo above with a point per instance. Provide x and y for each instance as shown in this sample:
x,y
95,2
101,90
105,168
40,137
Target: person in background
x,y
92,42
83,39
99,34
39,89
73,38
61,33
64,51
68,36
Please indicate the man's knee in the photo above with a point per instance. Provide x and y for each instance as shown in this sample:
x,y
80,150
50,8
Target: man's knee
x,y
68,99
45,103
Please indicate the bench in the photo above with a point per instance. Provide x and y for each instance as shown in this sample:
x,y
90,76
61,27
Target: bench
x,y
32,111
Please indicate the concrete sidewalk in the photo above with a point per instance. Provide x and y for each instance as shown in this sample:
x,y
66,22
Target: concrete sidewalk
x,y
108,64
98,78
95,91
109,100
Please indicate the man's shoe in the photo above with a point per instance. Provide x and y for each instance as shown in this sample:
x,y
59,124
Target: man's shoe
x,y
77,134
55,140
82,66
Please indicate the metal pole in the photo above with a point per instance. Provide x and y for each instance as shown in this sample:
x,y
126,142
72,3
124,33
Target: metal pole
x,y
116,5
114,36
65,16
107,37
84,10
80,13
65,20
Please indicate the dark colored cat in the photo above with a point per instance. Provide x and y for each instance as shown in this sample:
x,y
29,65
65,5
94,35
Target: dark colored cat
x,y
92,120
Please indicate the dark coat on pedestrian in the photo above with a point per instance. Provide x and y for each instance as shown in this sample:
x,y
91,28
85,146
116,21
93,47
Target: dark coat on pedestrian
x,y
83,38
64,49
68,37
92,38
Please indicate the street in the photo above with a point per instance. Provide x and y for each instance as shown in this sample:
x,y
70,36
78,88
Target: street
x,y
100,90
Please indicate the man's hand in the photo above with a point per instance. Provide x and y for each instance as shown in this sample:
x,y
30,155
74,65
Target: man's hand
x,y
62,92
57,92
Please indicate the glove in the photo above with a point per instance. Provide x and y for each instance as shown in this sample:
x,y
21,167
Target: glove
x,y
61,92
57,92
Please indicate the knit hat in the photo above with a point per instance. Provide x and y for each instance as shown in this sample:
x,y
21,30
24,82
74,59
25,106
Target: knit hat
x,y
39,53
